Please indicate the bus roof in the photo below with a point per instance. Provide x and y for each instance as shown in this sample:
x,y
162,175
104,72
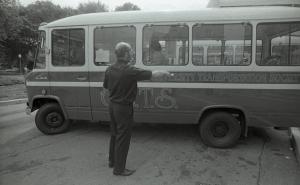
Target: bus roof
x,y
206,14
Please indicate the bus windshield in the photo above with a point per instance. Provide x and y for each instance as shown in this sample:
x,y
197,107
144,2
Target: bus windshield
x,y
40,57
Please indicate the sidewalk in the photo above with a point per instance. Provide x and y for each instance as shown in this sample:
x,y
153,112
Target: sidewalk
x,y
13,102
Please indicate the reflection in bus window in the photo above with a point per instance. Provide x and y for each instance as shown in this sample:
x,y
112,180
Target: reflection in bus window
x,y
259,50
106,38
224,44
40,60
198,55
214,56
165,45
243,54
280,44
68,47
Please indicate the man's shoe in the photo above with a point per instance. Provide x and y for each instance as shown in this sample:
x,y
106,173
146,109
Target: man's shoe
x,y
126,172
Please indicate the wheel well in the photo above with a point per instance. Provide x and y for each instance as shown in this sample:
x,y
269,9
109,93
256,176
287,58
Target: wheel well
x,y
235,112
38,103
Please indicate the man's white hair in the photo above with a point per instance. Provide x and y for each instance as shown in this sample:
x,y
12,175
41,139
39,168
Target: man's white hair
x,y
121,48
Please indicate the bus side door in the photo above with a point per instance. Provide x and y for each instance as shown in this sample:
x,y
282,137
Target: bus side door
x,y
69,77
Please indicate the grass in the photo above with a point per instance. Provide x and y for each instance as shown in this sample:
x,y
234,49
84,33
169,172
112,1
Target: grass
x,y
12,87
11,80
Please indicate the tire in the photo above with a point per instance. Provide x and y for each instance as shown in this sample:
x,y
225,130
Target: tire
x,y
50,119
220,130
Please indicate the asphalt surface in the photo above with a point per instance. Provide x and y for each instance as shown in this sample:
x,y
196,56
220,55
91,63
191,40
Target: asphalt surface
x,y
161,154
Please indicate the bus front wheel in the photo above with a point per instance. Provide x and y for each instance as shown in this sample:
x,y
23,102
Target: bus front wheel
x,y
220,130
50,119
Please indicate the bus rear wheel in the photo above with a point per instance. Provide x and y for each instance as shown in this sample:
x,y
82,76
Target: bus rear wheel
x,y
220,130
50,119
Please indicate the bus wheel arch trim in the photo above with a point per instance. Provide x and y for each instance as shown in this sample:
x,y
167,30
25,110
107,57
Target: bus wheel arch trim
x,y
48,99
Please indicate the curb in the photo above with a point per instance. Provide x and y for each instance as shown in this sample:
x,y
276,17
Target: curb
x,y
12,102
295,141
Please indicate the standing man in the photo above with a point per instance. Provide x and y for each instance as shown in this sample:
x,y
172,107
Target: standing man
x,y
121,81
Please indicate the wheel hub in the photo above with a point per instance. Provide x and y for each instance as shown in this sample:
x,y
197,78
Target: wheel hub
x,y
54,119
220,129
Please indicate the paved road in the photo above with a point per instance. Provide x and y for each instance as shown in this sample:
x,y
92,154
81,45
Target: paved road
x,y
162,155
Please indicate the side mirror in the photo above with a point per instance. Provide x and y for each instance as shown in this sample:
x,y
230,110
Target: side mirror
x,y
42,42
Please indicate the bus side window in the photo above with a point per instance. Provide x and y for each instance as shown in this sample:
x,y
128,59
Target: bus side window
x,y
223,44
105,40
279,44
165,45
77,44
68,47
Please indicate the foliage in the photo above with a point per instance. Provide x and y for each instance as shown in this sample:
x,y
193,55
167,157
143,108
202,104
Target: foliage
x,y
92,7
44,11
19,24
127,7
10,22
12,29
18,27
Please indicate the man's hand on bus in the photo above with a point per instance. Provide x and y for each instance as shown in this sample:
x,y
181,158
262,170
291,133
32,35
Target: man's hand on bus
x,y
161,74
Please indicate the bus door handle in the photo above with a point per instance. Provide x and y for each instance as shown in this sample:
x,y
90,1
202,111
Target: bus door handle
x,y
81,78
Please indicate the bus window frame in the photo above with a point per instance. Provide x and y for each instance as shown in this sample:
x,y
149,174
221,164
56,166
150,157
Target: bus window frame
x,y
116,26
272,22
38,48
79,67
225,23
185,24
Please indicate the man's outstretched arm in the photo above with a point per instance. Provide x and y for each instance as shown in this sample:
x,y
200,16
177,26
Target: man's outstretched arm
x,y
160,74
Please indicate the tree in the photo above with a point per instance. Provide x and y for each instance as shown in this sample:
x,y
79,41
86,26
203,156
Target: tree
x,y
19,25
92,7
12,31
10,22
68,11
127,7
44,11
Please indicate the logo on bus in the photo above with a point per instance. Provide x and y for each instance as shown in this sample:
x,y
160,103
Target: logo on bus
x,y
149,98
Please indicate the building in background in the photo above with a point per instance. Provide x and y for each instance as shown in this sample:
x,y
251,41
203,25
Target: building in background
x,y
235,3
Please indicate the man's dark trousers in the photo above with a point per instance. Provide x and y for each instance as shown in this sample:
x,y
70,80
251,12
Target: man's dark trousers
x,y
121,119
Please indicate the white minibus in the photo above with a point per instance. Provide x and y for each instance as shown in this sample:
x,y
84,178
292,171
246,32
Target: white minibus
x,y
232,68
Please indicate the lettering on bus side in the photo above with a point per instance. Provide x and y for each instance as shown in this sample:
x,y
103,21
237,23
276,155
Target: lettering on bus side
x,y
149,98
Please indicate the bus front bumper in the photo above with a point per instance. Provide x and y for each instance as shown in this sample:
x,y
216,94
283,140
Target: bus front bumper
x,y
28,109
